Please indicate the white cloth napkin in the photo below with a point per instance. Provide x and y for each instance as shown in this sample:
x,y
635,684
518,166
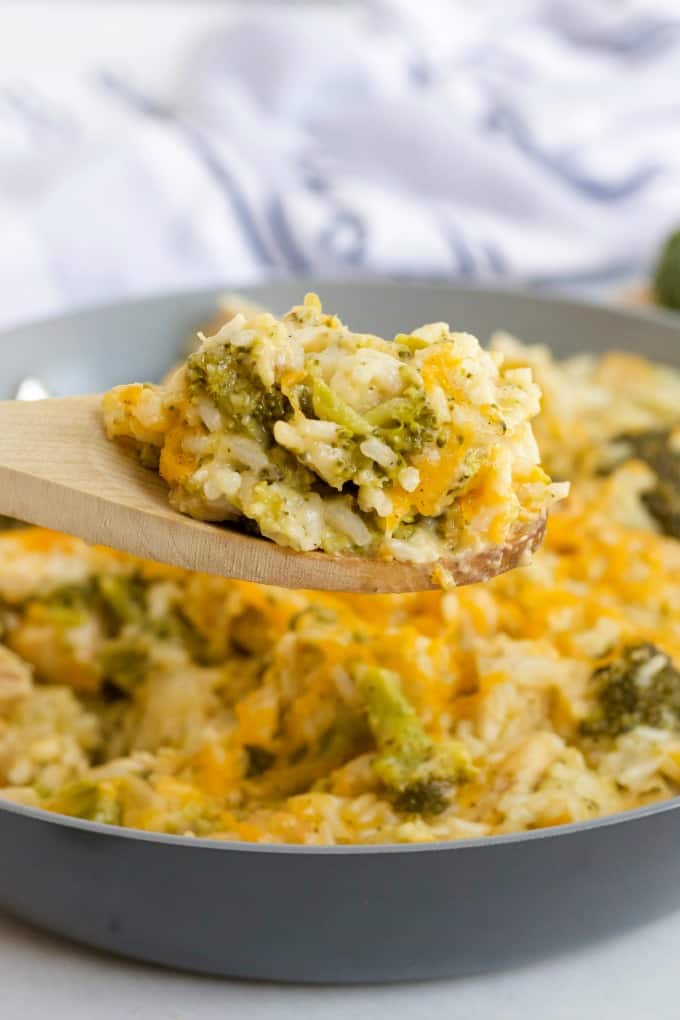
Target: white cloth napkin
x,y
536,140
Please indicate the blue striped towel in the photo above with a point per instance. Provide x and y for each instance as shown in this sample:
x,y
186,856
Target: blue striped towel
x,y
534,141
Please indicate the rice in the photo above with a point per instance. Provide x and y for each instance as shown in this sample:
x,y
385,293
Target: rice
x,y
154,698
427,437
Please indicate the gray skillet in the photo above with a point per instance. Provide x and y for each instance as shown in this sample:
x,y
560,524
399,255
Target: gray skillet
x,y
346,914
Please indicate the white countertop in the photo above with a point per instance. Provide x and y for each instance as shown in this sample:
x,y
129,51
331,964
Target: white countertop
x,y
627,978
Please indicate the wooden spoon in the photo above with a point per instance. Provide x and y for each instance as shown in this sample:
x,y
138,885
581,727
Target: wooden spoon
x,y
58,469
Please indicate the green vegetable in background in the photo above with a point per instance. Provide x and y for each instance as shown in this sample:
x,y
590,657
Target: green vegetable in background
x,y
125,662
656,449
641,687
418,772
666,280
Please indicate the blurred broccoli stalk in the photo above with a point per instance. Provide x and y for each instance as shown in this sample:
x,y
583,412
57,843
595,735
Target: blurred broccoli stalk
x,y
640,687
657,449
666,279
418,772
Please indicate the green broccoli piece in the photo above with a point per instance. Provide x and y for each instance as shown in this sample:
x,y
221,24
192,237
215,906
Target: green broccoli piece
x,y
328,406
117,598
120,603
149,455
122,597
124,662
69,604
641,687
229,378
663,503
666,279
418,772
654,447
405,423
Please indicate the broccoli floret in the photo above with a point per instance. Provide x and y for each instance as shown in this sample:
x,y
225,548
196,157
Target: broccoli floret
x,y
119,599
667,273
640,687
124,662
663,503
149,455
656,449
120,603
418,772
229,378
424,797
123,597
405,423
68,605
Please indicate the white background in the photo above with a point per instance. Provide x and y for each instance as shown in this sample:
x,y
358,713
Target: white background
x,y
630,977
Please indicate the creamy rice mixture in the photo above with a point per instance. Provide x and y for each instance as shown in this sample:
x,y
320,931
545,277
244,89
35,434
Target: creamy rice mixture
x,y
321,438
146,696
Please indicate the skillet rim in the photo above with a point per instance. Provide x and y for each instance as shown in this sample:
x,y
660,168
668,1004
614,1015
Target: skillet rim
x,y
544,295
345,849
